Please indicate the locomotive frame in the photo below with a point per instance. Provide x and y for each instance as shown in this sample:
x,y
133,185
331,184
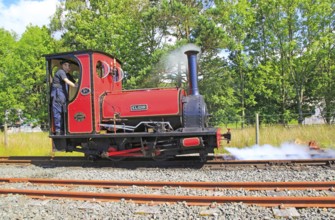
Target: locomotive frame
x,y
103,120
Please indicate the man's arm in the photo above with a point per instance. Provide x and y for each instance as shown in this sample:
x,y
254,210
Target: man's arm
x,y
67,81
70,77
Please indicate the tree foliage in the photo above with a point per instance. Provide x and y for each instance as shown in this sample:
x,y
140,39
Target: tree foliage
x,y
113,26
8,87
33,44
23,75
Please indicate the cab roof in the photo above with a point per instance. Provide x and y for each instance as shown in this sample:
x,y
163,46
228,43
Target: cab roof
x,y
72,53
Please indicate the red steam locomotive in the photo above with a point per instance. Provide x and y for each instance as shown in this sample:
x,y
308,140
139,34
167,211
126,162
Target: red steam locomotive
x,y
103,120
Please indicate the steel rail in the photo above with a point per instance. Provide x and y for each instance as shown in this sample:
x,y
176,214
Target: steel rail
x,y
283,201
330,185
192,162
2,158
39,159
212,161
32,158
314,161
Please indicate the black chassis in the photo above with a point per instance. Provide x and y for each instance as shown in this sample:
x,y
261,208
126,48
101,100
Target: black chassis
x,y
89,143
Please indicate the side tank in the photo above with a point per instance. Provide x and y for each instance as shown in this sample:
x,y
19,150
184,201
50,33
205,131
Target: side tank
x,y
134,106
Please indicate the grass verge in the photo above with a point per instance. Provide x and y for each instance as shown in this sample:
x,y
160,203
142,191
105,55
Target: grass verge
x,y
39,144
29,144
323,135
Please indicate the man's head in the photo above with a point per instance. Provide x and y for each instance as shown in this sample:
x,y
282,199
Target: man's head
x,y
65,65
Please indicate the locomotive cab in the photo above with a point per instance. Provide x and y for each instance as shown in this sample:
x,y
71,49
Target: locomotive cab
x,y
95,73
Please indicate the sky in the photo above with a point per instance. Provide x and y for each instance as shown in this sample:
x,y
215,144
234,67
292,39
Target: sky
x,y
15,15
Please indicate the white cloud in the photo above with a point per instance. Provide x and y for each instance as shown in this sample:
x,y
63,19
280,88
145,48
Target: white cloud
x,y
16,17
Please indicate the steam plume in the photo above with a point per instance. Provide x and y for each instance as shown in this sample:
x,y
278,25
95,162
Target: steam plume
x,y
285,151
178,56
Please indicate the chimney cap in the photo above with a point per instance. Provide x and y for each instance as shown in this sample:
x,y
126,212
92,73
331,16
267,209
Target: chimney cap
x,y
191,52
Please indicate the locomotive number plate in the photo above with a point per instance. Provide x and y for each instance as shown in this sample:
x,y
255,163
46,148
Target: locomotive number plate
x,y
135,108
79,116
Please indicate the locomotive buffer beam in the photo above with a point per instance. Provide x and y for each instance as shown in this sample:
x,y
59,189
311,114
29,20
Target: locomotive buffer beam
x,y
226,136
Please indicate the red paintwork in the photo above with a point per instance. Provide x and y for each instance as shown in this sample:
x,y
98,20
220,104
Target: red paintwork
x,y
191,142
218,138
158,101
102,85
122,152
88,104
81,103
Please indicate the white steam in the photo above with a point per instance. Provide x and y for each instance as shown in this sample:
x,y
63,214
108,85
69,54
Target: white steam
x,y
176,60
285,151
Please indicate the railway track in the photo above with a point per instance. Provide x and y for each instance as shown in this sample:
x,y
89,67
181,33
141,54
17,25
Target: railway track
x,y
329,185
179,162
268,201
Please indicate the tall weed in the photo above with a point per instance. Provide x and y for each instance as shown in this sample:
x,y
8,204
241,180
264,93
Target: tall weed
x,y
39,144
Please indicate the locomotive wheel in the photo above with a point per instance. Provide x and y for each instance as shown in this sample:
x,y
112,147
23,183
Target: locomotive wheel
x,y
116,159
203,156
121,144
160,158
91,152
163,156
92,157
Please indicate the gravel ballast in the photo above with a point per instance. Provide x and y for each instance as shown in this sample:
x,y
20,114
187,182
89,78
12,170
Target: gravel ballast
x,y
22,207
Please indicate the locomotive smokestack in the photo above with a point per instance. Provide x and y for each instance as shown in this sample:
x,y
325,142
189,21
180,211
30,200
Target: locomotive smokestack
x,y
192,72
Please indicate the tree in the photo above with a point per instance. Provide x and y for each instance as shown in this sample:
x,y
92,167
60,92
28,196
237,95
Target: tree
x,y
236,18
30,72
180,17
264,42
293,32
217,87
321,26
8,84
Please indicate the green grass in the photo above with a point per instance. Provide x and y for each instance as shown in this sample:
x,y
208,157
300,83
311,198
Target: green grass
x,y
323,135
39,144
29,144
